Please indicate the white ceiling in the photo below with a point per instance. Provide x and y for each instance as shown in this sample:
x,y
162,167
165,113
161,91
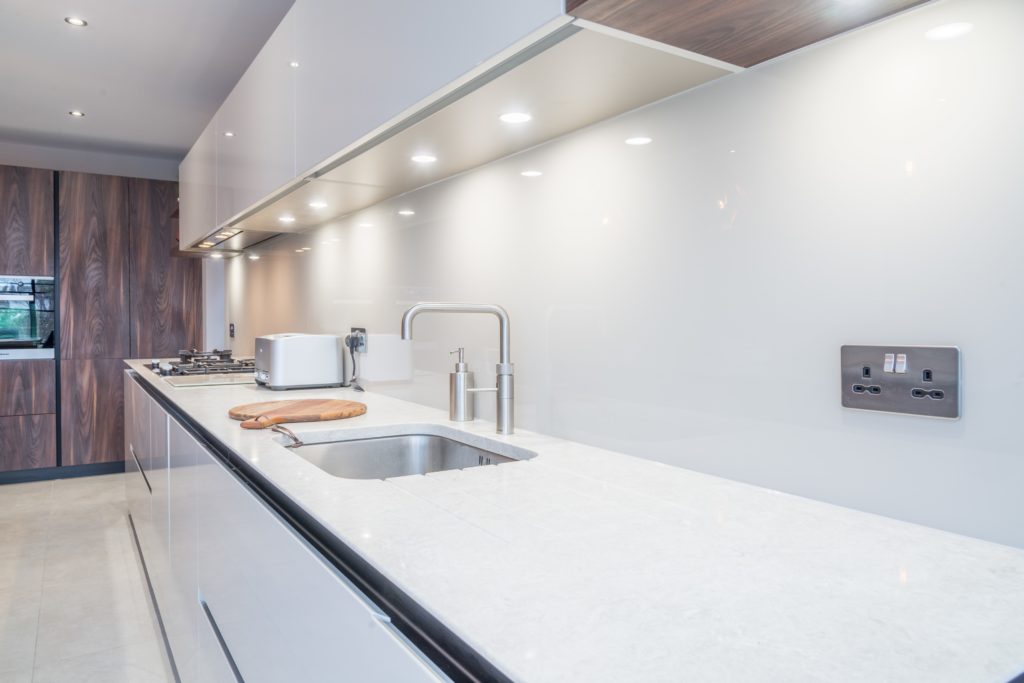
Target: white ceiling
x,y
149,74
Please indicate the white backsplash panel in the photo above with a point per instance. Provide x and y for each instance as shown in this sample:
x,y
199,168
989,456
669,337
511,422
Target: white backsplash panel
x,y
686,300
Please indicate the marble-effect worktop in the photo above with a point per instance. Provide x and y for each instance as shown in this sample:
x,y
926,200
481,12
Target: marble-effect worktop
x,y
582,564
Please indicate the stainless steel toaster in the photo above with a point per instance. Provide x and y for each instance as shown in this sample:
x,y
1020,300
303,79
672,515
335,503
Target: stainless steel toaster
x,y
301,361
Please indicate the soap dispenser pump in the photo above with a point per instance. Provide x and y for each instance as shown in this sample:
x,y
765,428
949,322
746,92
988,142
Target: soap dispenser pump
x,y
460,404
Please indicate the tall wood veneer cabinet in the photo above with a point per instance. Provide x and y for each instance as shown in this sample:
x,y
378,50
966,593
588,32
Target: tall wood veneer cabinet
x,y
166,291
122,294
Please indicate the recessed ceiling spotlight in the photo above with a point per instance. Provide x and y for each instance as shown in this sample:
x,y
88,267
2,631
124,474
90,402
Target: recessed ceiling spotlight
x,y
229,134
638,140
317,204
76,113
406,212
307,249
293,64
287,219
424,158
224,235
254,257
531,174
216,255
947,31
300,251
76,21
515,117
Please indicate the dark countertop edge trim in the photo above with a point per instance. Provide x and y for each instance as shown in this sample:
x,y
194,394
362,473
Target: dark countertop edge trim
x,y
437,642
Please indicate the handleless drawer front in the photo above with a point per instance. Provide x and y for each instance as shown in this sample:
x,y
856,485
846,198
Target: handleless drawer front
x,y
283,613
28,442
27,387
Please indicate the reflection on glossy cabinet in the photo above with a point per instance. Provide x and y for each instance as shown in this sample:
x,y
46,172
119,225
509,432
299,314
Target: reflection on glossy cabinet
x,y
197,188
258,156
26,221
363,63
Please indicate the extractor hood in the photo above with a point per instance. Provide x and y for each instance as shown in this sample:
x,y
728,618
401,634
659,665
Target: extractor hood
x,y
576,75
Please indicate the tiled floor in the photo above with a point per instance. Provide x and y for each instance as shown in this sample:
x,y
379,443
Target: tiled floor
x,y
73,601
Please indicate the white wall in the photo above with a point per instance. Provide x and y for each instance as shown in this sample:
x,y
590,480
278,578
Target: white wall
x,y
87,161
686,301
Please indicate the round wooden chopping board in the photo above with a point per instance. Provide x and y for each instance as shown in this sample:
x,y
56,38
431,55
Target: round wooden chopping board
x,y
269,413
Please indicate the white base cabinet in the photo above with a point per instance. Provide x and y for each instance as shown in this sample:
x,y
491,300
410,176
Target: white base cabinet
x,y
221,560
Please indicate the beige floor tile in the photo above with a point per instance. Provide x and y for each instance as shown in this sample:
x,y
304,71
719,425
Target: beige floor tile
x,y
19,618
140,664
88,560
22,675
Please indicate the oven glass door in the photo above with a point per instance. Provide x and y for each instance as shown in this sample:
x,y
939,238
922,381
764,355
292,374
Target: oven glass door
x,y
27,312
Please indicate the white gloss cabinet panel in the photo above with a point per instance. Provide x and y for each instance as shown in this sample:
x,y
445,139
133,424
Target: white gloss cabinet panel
x,y
197,188
256,128
179,602
283,613
212,665
363,63
138,497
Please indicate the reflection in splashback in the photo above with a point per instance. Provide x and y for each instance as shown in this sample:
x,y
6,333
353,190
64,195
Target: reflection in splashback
x,y
685,300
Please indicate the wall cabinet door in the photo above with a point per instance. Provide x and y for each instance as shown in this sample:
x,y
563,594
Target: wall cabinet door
x,y
197,187
26,221
28,442
167,291
93,266
363,63
259,155
285,615
92,411
27,387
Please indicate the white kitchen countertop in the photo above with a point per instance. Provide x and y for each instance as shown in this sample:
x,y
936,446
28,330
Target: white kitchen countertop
x,y
586,565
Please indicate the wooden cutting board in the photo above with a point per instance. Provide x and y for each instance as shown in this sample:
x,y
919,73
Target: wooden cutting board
x,y
269,413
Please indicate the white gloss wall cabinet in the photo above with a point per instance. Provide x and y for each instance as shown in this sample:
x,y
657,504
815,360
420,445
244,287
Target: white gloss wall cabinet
x,y
332,73
686,300
197,188
256,127
361,64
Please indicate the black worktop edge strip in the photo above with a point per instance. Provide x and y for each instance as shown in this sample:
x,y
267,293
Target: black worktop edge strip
x,y
437,642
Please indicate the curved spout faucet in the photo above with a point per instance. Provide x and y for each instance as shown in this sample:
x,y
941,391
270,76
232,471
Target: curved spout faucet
x,y
505,415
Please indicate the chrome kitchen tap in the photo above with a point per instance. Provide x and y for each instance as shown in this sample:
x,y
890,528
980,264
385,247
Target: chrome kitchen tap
x,y
505,415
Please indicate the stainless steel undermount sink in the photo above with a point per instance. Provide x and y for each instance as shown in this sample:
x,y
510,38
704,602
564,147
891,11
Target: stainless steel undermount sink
x,y
399,456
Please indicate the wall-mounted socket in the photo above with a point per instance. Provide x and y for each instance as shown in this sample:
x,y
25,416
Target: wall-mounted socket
x,y
359,335
231,330
916,380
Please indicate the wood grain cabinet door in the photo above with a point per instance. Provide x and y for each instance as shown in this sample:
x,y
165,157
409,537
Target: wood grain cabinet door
x,y
166,290
93,266
92,411
27,442
27,387
26,221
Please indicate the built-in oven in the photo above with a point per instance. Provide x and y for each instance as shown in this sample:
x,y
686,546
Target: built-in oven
x,y
27,317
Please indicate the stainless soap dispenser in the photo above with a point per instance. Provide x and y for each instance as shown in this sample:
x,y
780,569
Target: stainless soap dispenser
x,y
460,403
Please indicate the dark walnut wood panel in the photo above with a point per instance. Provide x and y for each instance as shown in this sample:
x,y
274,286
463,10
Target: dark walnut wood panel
x,y
27,387
26,221
93,266
92,411
741,32
166,291
28,442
